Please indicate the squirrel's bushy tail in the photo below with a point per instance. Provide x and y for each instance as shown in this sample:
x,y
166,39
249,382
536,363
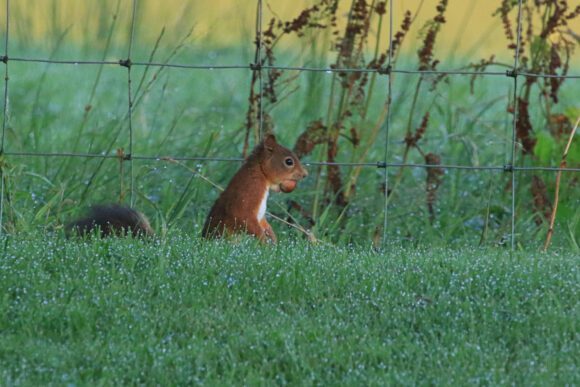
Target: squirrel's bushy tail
x,y
109,220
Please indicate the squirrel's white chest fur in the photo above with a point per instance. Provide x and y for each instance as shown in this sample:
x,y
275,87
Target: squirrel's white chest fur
x,y
262,209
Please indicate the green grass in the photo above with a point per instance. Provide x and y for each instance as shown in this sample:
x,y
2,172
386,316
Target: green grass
x,y
188,311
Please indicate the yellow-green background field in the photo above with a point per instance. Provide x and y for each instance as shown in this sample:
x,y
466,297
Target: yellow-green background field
x,y
224,23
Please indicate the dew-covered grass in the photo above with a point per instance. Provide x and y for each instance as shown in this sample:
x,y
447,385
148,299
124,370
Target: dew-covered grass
x,y
186,311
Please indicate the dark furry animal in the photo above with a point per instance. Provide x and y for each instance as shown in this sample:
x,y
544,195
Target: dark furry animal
x,y
111,220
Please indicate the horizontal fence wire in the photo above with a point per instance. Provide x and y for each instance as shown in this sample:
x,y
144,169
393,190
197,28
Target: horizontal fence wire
x,y
376,164
258,67
383,70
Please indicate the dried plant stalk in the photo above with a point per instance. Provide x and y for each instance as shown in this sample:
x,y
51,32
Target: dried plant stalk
x,y
122,157
557,191
542,205
314,134
524,131
434,179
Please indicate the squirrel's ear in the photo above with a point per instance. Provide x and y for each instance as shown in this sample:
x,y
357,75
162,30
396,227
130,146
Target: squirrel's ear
x,y
270,142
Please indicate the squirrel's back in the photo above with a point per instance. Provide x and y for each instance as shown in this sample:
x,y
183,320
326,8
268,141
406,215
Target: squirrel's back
x,y
111,219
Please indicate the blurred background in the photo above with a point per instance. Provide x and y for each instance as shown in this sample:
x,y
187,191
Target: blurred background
x,y
471,28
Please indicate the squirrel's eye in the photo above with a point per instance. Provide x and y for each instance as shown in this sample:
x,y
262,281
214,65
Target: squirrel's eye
x,y
289,161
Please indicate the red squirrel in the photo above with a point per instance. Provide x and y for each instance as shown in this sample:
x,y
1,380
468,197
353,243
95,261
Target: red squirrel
x,y
241,207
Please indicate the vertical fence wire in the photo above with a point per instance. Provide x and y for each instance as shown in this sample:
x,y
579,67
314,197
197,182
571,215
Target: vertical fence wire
x,y
128,64
388,125
514,74
258,67
4,118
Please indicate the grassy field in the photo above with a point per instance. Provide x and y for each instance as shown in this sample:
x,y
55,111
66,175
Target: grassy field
x,y
184,311
444,301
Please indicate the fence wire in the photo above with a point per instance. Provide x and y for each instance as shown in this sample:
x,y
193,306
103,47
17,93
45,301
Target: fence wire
x,y
515,122
257,68
128,64
4,118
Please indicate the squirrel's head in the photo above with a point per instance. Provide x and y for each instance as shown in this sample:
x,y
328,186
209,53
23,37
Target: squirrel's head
x,y
280,165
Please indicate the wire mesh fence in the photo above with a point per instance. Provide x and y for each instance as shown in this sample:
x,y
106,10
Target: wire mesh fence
x,y
513,76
